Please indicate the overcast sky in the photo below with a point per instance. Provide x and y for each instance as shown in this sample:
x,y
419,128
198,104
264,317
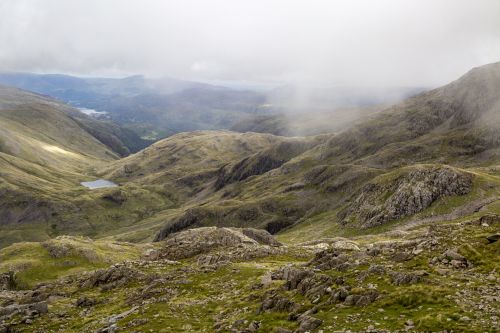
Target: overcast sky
x,y
382,42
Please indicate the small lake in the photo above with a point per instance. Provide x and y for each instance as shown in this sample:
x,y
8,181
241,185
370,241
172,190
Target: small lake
x,y
92,112
100,183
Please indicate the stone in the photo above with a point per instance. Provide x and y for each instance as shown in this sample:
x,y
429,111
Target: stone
x,y
453,255
278,303
307,323
401,278
85,302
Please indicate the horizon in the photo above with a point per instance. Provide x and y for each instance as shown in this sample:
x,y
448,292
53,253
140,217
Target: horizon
x,y
341,43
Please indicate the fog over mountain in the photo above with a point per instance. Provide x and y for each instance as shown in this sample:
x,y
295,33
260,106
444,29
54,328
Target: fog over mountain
x,y
353,43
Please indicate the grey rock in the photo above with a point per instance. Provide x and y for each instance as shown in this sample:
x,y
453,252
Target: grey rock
x,y
307,323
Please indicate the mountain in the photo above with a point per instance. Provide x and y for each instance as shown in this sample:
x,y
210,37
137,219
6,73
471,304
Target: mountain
x,y
157,108
270,182
389,224
152,108
40,130
305,123
445,135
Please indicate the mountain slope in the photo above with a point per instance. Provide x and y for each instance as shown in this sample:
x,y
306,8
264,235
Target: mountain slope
x,y
454,125
152,108
38,130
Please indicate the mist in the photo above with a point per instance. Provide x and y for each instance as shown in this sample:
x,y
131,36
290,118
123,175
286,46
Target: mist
x,y
386,43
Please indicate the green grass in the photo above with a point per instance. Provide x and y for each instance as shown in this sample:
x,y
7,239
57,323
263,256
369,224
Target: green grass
x,y
33,263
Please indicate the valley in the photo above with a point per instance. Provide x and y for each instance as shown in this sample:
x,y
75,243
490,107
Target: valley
x,y
386,221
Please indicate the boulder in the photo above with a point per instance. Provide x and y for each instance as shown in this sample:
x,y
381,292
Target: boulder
x,y
191,242
278,303
362,299
308,323
115,276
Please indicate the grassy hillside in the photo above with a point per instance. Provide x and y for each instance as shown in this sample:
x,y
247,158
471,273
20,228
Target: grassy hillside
x,y
404,156
390,225
456,125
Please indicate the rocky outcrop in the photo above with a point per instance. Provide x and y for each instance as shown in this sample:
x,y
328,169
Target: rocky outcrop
x,y
28,310
189,219
304,280
406,195
116,276
308,323
331,259
278,303
196,241
268,214
260,163
401,278
261,236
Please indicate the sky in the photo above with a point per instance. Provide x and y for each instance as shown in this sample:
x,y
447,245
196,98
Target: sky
x,y
349,43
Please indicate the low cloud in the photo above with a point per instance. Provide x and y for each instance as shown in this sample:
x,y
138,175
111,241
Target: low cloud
x,y
353,43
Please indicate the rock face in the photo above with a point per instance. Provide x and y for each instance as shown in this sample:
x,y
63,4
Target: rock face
x,y
407,195
260,163
192,242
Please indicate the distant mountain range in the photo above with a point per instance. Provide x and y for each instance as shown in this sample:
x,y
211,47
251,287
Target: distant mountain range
x,y
157,108
153,108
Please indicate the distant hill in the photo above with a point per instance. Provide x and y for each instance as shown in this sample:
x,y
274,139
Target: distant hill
x,y
152,108
157,108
